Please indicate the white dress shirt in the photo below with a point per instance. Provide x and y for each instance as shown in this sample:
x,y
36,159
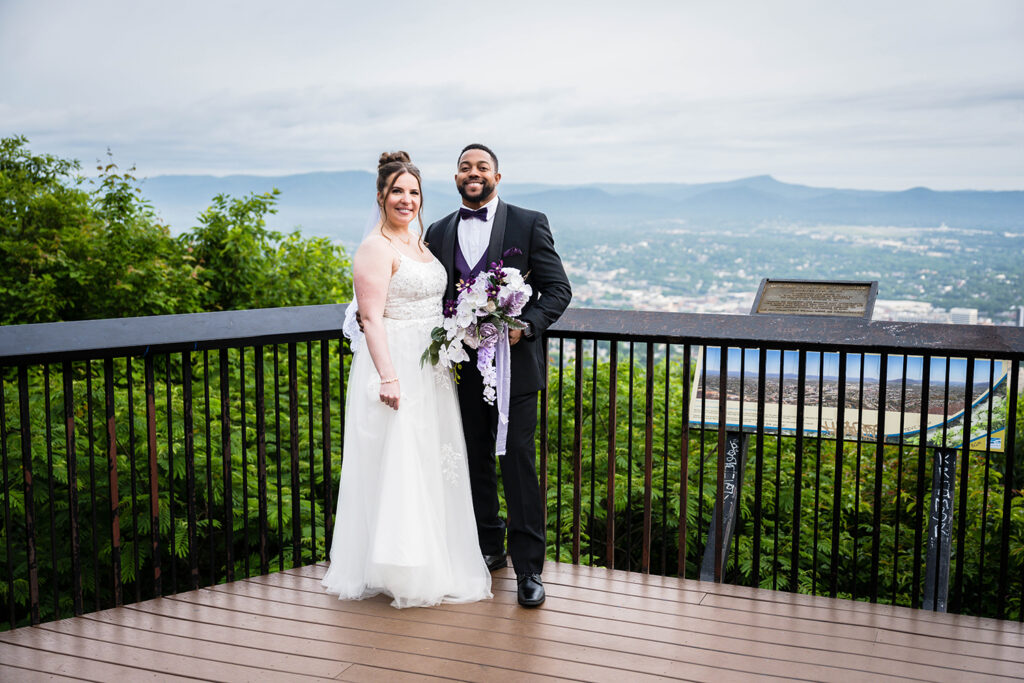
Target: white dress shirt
x,y
475,234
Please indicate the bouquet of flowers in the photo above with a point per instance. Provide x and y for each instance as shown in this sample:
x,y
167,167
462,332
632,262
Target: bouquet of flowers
x,y
487,307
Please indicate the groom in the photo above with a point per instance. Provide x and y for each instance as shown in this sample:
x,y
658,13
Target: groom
x,y
467,242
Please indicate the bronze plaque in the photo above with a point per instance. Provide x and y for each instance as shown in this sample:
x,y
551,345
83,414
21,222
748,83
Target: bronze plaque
x,y
816,297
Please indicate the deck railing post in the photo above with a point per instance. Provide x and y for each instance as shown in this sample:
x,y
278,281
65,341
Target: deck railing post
x,y
717,548
940,530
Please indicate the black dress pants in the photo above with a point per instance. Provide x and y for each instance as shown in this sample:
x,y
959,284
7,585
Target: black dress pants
x,y
523,500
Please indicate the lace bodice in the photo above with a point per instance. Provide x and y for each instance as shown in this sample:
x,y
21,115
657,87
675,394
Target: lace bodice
x,y
416,290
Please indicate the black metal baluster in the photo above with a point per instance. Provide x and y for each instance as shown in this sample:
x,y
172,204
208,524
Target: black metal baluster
x,y
279,451
958,572
226,474
613,393
645,558
629,468
703,439
577,448
856,478
664,467
71,458
154,477
30,514
93,530
209,465
684,465
243,418
988,461
173,540
136,576
876,521
113,487
837,493
558,462
261,459
899,475
593,451
922,449
190,468
778,470
293,429
762,382
49,486
740,465
723,403
817,471
798,473
1009,478
312,450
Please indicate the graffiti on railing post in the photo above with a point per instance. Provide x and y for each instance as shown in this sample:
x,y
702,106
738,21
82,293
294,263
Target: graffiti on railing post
x,y
940,530
736,445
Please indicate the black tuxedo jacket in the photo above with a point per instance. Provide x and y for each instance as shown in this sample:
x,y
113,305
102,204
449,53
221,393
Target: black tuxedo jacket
x,y
529,232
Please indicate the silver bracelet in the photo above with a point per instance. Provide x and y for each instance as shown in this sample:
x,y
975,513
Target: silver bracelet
x,y
389,381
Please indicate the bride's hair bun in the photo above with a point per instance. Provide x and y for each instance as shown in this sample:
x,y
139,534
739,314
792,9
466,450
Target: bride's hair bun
x,y
391,157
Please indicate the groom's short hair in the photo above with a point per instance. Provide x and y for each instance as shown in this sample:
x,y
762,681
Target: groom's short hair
x,y
483,148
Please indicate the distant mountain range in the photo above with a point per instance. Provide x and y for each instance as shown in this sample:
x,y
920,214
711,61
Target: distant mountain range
x,y
339,204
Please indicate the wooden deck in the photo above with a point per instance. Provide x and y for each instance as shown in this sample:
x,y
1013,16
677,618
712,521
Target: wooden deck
x,y
597,625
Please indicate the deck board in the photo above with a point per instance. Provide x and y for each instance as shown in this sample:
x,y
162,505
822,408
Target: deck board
x,y
597,625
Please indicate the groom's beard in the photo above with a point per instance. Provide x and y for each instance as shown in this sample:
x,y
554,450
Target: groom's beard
x,y
486,191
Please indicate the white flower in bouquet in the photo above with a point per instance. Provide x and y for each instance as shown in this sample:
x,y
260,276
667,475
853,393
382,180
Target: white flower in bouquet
x,y
486,308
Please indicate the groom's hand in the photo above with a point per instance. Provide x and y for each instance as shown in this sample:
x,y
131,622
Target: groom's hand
x,y
513,337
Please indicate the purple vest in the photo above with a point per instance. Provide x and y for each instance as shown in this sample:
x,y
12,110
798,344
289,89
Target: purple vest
x,y
462,269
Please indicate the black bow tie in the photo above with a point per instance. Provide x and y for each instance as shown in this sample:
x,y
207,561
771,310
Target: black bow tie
x,y
479,214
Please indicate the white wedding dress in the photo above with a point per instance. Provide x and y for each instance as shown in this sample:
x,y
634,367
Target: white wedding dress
x,y
405,524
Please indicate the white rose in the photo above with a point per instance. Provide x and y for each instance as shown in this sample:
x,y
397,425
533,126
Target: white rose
x,y
513,279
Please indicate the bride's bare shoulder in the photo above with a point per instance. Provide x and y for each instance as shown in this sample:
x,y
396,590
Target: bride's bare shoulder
x,y
374,244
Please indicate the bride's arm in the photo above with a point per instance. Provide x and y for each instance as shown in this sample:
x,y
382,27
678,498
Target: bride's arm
x,y
372,268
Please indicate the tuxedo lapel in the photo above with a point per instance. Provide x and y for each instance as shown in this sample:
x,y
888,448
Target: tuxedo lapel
x,y
495,247
449,242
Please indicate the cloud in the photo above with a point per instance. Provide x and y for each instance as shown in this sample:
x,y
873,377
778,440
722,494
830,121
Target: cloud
x,y
882,94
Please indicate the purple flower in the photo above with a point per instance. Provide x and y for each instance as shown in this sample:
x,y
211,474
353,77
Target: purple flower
x,y
488,333
449,307
484,356
513,303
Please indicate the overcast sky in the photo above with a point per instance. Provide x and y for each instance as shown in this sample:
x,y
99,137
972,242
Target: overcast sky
x,y
865,94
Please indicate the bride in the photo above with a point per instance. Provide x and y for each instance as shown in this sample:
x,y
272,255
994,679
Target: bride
x,y
405,525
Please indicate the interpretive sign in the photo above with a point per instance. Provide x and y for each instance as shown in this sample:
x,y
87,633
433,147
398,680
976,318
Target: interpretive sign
x,y
949,398
816,297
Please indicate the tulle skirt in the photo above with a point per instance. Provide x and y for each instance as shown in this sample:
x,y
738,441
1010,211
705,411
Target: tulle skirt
x,y
405,525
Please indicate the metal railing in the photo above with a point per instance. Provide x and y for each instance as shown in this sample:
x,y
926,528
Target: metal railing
x,y
204,448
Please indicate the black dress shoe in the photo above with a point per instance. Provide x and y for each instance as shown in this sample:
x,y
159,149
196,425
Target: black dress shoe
x,y
531,590
496,562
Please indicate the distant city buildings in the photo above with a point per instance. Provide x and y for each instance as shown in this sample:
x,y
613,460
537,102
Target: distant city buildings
x,y
609,290
963,316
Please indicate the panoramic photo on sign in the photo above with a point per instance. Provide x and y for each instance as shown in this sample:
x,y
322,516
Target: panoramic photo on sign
x,y
947,398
